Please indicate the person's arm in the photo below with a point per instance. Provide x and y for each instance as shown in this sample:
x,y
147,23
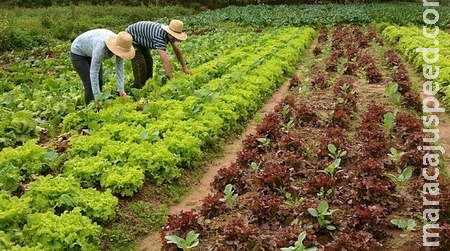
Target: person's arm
x,y
120,76
166,63
180,58
96,64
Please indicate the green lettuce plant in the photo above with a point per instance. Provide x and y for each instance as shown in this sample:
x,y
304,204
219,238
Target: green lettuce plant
x,y
321,212
187,244
402,178
335,153
229,197
406,226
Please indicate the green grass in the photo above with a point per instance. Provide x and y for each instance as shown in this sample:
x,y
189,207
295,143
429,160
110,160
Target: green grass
x,y
29,28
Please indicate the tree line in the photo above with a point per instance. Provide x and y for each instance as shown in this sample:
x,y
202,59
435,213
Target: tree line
x,y
196,4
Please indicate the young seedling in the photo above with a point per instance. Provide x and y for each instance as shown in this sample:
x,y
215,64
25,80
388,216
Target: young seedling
x,y
388,121
289,125
322,193
304,89
341,65
402,178
289,199
285,111
331,168
330,116
396,156
346,89
298,245
342,100
187,244
335,153
407,226
255,167
264,142
392,92
320,213
230,197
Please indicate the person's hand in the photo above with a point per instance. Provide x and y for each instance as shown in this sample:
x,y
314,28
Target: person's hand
x,y
123,94
187,71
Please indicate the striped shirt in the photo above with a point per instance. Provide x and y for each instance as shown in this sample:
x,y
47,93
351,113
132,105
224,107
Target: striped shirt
x,y
92,44
149,35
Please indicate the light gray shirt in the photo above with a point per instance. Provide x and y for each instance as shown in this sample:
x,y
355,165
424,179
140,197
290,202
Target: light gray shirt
x,y
92,44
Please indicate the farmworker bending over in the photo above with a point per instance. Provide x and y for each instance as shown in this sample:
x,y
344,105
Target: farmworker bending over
x,y
152,35
87,53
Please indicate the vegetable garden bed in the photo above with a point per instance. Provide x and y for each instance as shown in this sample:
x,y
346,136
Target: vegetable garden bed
x,y
336,165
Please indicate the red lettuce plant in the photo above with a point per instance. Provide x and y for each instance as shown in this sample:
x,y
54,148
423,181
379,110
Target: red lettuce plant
x,y
307,116
341,118
323,36
270,127
413,101
180,224
351,68
274,176
319,81
392,58
238,234
231,175
268,208
332,63
373,74
355,240
212,206
371,166
317,51
372,219
294,82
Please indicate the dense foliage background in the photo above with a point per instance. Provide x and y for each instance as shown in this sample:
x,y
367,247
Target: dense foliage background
x,y
190,4
27,28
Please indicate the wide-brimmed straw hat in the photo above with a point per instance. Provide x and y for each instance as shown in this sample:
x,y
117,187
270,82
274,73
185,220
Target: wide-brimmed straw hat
x,y
175,29
121,45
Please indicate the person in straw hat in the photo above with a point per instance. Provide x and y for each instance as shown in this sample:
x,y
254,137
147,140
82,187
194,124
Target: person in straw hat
x,y
87,53
152,35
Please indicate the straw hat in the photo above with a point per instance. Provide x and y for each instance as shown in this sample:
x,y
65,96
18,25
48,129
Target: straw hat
x,y
121,45
175,29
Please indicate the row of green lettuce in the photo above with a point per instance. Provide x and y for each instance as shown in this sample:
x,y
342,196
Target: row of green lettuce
x,y
131,141
36,93
408,39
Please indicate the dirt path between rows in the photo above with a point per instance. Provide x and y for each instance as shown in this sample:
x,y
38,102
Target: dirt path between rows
x,y
200,191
